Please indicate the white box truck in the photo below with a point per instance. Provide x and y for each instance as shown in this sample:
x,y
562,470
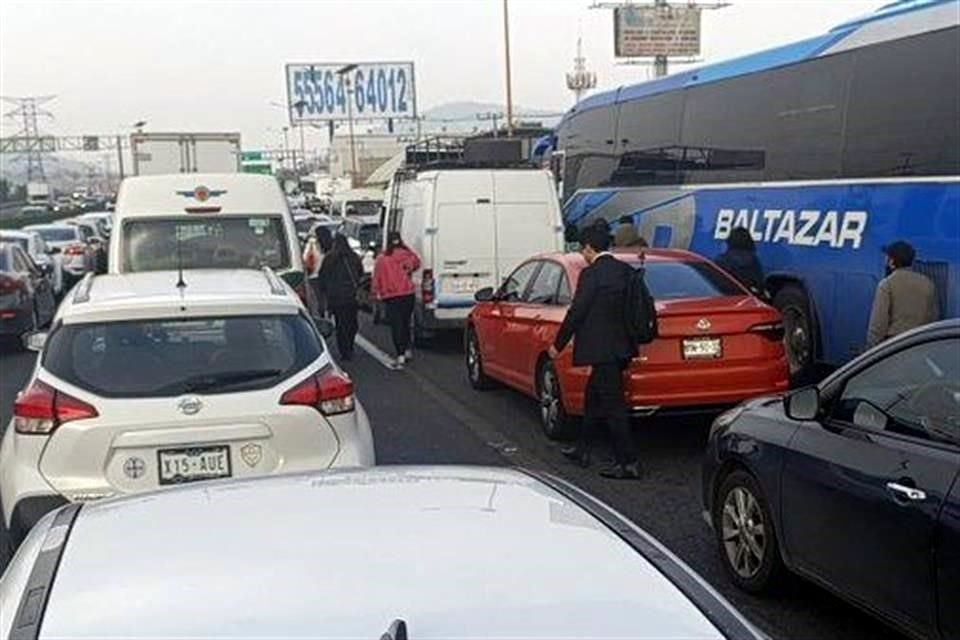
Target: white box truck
x,y
38,194
166,153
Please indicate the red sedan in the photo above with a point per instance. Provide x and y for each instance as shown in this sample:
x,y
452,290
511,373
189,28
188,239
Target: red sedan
x,y
718,344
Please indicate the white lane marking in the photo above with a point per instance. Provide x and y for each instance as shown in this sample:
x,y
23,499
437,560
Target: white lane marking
x,y
375,352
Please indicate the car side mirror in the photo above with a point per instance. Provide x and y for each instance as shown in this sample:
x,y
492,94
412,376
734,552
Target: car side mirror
x,y
325,326
485,295
803,404
35,340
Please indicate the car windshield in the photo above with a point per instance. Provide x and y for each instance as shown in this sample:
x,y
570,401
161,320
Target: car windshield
x,y
362,207
58,234
678,280
18,240
235,242
209,355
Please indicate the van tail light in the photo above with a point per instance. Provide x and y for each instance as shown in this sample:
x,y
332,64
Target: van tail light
x,y
427,286
329,391
40,409
770,330
74,250
9,285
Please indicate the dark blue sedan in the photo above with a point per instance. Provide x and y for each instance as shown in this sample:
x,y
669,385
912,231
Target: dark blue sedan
x,y
852,483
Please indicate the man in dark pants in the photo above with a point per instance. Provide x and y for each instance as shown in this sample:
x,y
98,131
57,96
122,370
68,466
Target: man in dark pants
x,y
597,319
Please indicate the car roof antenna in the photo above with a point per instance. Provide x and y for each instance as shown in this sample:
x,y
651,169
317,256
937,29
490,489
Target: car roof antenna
x,y
181,283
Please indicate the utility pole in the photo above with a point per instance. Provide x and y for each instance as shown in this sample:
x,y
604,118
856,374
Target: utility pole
x,y
344,72
286,146
29,112
506,48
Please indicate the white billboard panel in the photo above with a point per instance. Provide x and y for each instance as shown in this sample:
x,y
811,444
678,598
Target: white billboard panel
x,y
649,31
375,90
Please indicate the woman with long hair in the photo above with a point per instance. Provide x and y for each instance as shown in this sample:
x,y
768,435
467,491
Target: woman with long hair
x,y
393,285
317,246
339,279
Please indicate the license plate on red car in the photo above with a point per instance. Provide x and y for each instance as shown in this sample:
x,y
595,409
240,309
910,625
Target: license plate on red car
x,y
702,348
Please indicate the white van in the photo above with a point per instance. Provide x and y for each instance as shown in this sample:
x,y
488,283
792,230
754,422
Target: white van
x,y
471,228
363,204
205,221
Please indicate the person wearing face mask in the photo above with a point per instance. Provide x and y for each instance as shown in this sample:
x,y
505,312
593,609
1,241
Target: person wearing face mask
x,y
597,319
393,285
904,299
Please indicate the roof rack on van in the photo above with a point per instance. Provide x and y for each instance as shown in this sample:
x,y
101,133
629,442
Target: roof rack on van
x,y
82,292
276,284
450,152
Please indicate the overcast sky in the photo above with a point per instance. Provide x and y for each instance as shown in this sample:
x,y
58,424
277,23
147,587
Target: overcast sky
x,y
217,64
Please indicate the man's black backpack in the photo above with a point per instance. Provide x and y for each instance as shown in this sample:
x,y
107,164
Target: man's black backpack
x,y
640,314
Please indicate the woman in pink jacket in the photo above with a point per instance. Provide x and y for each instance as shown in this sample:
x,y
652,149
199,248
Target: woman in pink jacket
x,y
393,285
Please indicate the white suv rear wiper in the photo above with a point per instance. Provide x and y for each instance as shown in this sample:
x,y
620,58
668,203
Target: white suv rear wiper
x,y
205,382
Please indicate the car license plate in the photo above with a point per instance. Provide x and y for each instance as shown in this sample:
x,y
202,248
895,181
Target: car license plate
x,y
702,348
459,285
193,463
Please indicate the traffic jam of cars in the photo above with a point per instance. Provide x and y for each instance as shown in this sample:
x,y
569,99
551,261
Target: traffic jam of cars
x,y
197,450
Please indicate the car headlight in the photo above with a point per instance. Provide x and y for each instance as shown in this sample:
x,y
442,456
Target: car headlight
x,y
727,418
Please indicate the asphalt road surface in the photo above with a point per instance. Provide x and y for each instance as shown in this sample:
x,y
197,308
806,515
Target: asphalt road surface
x,y
428,414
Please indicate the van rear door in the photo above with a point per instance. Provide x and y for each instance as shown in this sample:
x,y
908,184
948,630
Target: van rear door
x,y
464,236
527,217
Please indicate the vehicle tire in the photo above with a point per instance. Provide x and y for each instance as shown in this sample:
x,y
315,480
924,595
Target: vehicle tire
x,y
474,361
745,535
799,337
554,421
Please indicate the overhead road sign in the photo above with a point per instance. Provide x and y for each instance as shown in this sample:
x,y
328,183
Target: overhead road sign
x,y
658,30
377,90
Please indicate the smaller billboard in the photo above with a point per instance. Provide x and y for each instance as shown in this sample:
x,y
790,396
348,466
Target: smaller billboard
x,y
650,31
370,90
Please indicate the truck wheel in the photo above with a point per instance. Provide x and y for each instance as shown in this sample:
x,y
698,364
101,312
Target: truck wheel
x,y
799,339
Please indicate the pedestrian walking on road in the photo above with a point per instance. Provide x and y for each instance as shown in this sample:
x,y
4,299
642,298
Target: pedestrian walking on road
x,y
740,260
904,299
317,246
597,320
339,280
393,286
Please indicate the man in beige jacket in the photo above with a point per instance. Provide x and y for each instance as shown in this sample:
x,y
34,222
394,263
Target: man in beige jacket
x,y
904,300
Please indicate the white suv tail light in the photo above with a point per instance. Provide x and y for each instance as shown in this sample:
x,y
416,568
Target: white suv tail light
x,y
330,392
40,409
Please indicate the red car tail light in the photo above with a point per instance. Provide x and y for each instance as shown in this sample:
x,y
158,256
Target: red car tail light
x,y
74,250
426,286
770,330
9,285
40,409
329,392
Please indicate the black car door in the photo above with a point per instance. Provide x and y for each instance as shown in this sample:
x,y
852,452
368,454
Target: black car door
x,y
863,489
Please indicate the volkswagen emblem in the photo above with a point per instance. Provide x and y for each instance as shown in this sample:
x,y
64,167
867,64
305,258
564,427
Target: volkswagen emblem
x,y
190,405
703,324
134,468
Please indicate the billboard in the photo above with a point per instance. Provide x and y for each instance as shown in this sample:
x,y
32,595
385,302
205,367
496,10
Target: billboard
x,y
650,31
371,90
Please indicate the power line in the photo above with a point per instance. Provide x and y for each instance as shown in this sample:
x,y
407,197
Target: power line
x,y
28,111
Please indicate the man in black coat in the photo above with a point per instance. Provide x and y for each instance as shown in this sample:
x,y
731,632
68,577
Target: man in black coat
x,y
596,318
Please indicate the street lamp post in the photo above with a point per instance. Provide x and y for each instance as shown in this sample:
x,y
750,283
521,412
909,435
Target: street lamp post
x,y
506,46
343,73
286,145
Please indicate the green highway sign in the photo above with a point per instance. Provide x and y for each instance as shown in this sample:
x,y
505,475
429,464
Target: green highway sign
x,y
257,167
248,156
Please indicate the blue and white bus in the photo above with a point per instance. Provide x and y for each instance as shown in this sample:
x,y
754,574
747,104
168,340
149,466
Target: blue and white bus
x,y
826,150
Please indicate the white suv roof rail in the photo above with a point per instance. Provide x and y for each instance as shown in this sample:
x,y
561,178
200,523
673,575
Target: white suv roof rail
x,y
82,292
276,284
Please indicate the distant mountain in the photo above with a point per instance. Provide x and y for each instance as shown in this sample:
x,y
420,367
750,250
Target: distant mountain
x,y
63,173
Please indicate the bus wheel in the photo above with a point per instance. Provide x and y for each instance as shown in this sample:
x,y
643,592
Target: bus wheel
x,y
799,331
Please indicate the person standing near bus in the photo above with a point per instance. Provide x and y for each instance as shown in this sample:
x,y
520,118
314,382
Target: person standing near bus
x,y
740,260
904,299
393,285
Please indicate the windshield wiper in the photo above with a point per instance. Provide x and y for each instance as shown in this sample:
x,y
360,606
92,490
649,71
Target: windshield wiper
x,y
205,382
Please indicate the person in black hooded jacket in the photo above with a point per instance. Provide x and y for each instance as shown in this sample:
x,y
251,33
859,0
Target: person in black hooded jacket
x,y
339,279
740,260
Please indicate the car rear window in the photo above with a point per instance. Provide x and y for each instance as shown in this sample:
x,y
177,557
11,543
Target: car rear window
x,y
676,280
205,242
362,208
58,234
159,358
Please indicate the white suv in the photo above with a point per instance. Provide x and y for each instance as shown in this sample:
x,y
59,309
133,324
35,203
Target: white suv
x,y
144,384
